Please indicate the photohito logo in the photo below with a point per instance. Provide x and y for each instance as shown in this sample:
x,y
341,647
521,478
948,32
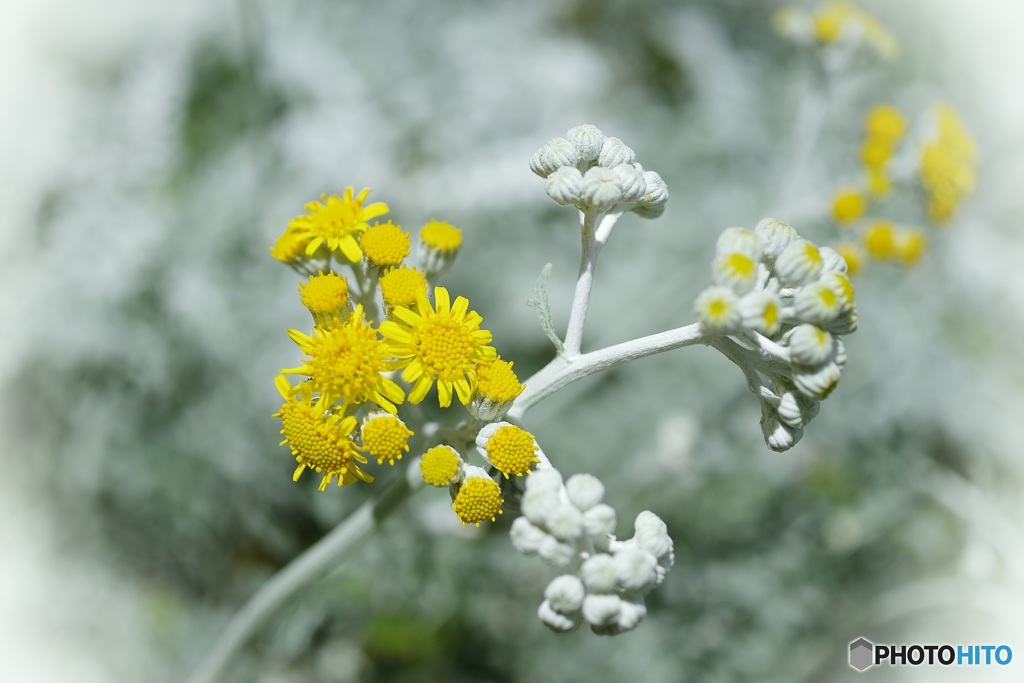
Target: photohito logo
x,y
864,654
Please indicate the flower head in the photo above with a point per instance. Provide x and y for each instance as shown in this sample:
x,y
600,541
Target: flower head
x,y
318,440
401,286
385,244
441,466
326,297
348,362
718,309
497,386
848,205
385,437
508,448
439,245
478,499
335,221
442,343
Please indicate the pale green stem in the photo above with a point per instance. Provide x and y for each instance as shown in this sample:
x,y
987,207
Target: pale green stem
x,y
315,563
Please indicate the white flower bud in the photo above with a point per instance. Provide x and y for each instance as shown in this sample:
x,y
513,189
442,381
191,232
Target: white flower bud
x,y
600,188
585,490
564,185
651,534
631,182
614,152
817,303
841,285
846,323
761,311
810,345
564,522
818,384
554,154
631,613
599,573
525,537
779,437
739,241
544,479
599,520
798,263
652,204
796,410
635,569
775,237
588,141
832,261
537,505
565,593
601,610
735,270
718,309
840,357
556,621
556,553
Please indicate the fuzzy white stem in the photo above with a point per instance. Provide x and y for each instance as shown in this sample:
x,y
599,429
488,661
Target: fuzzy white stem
x,y
563,371
315,563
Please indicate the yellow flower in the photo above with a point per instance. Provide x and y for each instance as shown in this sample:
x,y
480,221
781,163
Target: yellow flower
x,y
880,240
385,437
885,124
442,344
335,222
510,449
848,205
441,466
910,245
385,244
326,297
347,362
318,441
441,236
948,165
479,499
401,286
874,153
854,256
289,246
497,381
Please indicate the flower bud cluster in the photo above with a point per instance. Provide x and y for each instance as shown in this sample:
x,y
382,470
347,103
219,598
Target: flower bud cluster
x,y
606,580
785,303
592,172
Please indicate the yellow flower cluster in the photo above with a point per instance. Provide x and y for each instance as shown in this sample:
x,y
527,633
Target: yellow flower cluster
x,y
884,128
835,22
947,168
383,335
948,165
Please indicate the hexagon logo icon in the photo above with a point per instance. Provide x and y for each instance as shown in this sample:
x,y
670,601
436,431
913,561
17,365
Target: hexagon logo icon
x,y
862,653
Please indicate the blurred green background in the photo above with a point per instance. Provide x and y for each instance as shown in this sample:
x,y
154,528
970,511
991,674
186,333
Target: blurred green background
x,y
155,152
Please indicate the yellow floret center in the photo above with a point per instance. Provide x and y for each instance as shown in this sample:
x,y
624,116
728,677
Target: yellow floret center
x,y
441,236
478,499
444,346
385,244
827,297
740,265
853,255
848,206
812,254
879,240
346,362
770,316
386,437
401,286
718,309
439,465
497,381
324,293
337,217
910,247
827,27
317,444
511,450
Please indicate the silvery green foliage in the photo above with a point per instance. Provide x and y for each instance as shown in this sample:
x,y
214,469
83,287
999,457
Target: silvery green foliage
x,y
568,526
213,144
781,305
